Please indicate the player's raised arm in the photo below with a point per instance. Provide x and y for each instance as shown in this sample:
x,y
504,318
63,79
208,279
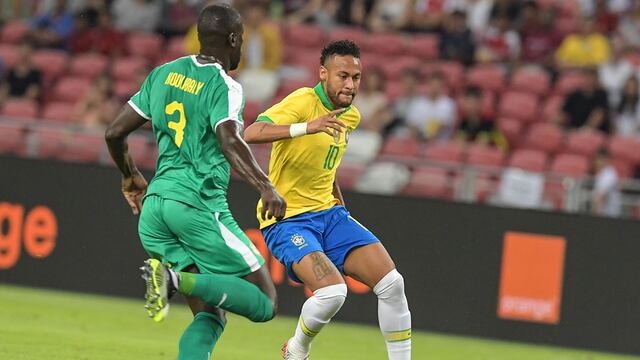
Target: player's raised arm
x,y
134,185
264,132
239,155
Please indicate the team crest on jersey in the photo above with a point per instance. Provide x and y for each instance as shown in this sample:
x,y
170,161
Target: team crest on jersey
x,y
336,136
298,241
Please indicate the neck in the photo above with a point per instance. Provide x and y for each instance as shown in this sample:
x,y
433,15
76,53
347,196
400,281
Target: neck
x,y
210,57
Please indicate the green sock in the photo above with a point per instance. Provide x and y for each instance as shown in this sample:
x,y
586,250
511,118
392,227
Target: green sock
x,y
229,293
200,337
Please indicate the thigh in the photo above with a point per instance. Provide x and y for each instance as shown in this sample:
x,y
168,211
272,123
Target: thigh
x,y
290,241
317,271
369,264
344,235
213,240
262,279
156,237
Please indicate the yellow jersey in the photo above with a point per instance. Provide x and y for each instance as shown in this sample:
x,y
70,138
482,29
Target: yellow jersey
x,y
303,169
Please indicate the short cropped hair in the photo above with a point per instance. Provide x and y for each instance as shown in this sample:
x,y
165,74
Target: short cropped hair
x,y
339,47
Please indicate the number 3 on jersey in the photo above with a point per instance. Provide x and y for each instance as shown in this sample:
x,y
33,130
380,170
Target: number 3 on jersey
x,y
178,127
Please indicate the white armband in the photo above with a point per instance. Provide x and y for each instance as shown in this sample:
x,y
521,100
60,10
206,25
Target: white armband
x,y
296,130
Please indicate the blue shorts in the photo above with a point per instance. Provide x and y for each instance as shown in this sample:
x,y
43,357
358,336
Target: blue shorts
x,y
332,231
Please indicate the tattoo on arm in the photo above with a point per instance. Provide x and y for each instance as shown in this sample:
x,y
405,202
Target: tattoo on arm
x,y
321,268
264,125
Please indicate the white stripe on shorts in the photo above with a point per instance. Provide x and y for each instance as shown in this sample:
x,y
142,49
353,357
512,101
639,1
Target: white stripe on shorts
x,y
358,222
236,244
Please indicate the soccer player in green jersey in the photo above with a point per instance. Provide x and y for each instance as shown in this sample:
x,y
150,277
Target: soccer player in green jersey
x,y
195,245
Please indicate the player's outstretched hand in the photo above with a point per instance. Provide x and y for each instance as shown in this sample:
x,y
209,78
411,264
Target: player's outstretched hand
x,y
273,205
327,123
133,189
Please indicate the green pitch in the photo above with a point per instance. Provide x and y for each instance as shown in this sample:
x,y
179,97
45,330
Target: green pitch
x,y
52,325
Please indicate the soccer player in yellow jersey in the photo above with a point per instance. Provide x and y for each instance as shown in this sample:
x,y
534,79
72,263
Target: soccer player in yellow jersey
x,y
318,239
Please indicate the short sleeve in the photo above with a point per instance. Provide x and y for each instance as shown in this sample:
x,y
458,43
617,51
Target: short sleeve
x,y
292,109
227,103
140,101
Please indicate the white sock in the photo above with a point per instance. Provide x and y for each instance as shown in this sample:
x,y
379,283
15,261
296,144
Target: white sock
x,y
394,316
317,311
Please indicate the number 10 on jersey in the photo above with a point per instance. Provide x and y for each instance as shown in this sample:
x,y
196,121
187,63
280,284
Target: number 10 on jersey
x,y
332,156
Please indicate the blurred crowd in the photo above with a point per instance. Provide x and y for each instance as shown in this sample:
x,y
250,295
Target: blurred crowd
x,y
596,41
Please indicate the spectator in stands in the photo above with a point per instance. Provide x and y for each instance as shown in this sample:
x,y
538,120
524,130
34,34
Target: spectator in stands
x,y
81,38
456,41
615,72
606,20
509,9
539,40
373,102
584,49
498,43
409,80
607,200
354,12
478,14
627,113
430,15
390,15
98,107
586,107
51,29
262,55
180,16
107,40
475,126
432,117
629,27
136,15
23,80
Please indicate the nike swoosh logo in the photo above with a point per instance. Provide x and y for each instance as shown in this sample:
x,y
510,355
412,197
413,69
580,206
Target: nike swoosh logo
x,y
224,297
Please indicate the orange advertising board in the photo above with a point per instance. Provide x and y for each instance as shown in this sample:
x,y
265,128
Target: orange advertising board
x,y
531,277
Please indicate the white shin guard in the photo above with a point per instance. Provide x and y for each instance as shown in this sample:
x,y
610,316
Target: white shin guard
x,y
394,316
317,311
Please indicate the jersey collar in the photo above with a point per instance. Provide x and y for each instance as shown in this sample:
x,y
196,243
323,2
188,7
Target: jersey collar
x,y
325,100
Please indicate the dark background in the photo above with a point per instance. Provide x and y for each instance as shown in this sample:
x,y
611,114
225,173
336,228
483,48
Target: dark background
x,y
449,254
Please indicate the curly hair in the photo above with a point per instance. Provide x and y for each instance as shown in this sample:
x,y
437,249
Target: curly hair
x,y
339,47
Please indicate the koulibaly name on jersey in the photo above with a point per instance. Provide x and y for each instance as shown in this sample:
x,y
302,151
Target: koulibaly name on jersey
x,y
184,83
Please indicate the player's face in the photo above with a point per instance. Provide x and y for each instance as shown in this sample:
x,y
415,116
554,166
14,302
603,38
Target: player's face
x,y
341,76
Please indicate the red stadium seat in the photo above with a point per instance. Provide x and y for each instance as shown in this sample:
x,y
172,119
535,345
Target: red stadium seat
x,y
429,182
488,156
389,44
570,165
57,111
487,77
519,106
446,152
124,89
8,55
176,47
584,142
531,80
452,71
50,141
512,130
349,173
13,31
20,108
529,160
146,45
88,65
393,70
568,82
12,139
424,47
544,137
354,34
625,148
127,68
624,168
52,63
302,35
71,89
552,107
83,147
399,146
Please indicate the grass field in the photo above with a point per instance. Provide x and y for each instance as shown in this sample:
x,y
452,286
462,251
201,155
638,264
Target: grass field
x,y
52,325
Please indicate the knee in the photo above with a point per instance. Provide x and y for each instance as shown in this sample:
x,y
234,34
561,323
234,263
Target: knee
x,y
332,296
390,286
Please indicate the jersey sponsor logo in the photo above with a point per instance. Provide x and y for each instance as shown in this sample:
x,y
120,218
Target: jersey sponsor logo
x,y
298,241
184,83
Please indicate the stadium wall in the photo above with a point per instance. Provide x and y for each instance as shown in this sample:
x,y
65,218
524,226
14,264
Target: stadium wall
x,y
531,276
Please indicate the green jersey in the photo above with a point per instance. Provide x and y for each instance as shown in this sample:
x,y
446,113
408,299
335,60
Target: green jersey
x,y
186,101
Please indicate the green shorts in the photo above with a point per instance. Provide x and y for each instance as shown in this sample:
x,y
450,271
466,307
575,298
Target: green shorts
x,y
181,235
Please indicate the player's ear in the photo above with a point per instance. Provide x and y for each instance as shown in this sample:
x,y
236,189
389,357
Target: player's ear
x,y
233,40
324,73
